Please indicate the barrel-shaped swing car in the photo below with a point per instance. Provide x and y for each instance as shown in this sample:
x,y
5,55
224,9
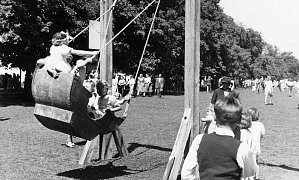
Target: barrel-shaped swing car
x,y
61,105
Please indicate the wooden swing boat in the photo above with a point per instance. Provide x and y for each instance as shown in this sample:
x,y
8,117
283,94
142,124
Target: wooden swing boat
x,y
61,105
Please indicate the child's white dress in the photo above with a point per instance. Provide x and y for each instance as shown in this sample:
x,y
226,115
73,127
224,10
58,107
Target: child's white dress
x,y
258,131
58,59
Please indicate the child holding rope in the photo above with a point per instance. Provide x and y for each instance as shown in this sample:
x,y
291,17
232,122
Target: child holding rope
x,y
61,56
219,155
258,131
105,101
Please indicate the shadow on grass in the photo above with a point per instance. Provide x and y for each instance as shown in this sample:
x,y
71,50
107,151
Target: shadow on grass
x,y
134,146
281,166
4,119
98,172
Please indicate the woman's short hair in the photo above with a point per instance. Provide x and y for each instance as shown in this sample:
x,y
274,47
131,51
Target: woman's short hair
x,y
254,113
245,121
228,111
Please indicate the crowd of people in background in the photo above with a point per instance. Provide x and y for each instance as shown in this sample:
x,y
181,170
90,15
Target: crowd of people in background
x,y
10,83
143,86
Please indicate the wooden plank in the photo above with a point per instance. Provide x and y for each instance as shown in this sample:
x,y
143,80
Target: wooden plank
x,y
168,168
88,151
179,146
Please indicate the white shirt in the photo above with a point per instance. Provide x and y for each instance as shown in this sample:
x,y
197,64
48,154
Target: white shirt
x,y
247,137
147,80
268,85
245,157
258,131
58,58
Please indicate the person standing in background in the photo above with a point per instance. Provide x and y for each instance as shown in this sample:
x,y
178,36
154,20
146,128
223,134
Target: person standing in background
x,y
159,85
140,85
147,85
268,90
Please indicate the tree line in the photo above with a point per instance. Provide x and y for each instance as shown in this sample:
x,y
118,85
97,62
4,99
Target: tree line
x,y
226,48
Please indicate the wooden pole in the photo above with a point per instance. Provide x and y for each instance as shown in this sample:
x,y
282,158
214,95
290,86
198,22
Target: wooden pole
x,y
106,56
105,151
190,123
192,62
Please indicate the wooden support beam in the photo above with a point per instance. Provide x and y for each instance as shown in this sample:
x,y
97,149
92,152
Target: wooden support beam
x,y
191,124
104,142
176,157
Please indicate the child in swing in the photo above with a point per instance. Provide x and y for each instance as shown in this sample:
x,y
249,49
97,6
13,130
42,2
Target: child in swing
x,y
219,155
90,86
105,101
61,56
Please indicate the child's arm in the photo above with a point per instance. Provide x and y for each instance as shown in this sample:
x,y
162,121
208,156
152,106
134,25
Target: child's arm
x,y
81,63
83,53
125,99
115,109
190,165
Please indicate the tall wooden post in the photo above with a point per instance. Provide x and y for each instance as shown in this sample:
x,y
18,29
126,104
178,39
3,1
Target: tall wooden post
x,y
105,151
192,62
190,123
106,56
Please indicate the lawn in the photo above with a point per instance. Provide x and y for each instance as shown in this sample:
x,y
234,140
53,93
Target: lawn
x,y
30,151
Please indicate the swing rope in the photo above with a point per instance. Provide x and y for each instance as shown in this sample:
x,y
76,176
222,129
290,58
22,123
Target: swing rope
x,y
146,42
123,30
110,9
140,61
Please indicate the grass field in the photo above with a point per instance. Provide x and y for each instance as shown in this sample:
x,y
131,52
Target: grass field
x,y
30,151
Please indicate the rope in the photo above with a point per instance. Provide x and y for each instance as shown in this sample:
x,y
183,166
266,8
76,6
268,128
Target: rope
x,y
140,61
112,6
146,42
124,29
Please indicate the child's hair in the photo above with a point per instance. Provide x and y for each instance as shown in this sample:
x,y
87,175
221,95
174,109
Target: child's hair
x,y
254,113
245,121
102,86
228,111
57,38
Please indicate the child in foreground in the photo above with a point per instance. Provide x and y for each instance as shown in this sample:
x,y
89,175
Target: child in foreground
x,y
246,135
258,131
219,155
